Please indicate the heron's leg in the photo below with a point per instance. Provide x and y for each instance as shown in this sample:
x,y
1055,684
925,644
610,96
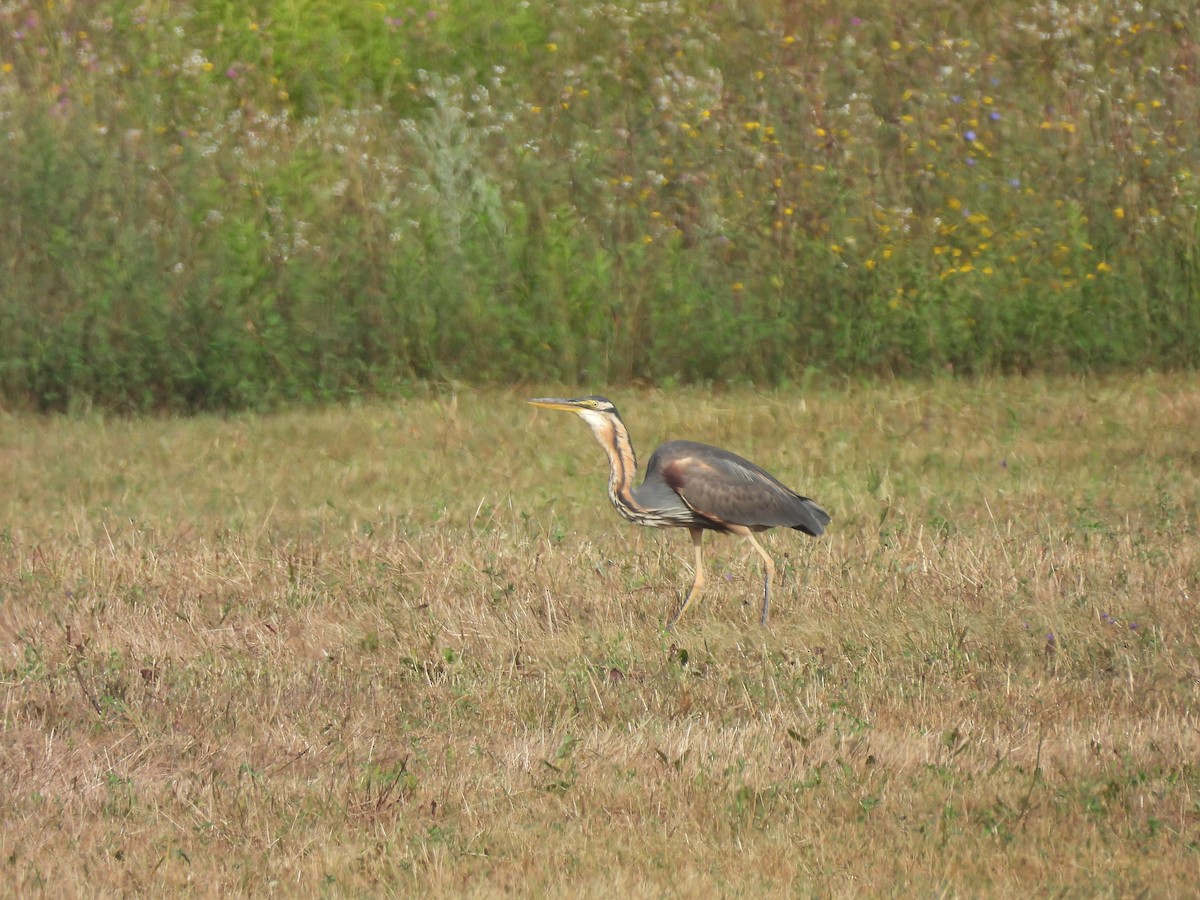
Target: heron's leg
x,y
698,584
768,575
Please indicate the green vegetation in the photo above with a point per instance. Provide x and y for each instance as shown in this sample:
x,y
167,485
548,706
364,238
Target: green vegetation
x,y
222,205
301,653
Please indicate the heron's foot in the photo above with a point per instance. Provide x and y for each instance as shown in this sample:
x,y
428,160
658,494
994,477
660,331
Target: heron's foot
x,y
687,601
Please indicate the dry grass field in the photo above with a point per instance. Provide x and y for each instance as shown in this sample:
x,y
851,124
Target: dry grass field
x,y
409,648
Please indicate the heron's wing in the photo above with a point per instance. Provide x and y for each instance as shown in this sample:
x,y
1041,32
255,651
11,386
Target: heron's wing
x,y
667,506
727,489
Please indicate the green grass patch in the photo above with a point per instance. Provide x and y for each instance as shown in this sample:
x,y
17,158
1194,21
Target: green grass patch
x,y
214,206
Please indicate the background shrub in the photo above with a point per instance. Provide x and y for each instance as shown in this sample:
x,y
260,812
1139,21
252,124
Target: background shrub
x,y
220,206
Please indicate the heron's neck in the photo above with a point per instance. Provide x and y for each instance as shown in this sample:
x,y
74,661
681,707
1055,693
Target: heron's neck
x,y
622,467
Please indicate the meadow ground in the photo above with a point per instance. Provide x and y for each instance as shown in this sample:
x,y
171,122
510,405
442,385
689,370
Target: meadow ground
x,y
408,648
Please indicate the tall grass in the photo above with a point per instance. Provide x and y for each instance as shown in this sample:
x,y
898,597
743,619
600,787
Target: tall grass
x,y
216,206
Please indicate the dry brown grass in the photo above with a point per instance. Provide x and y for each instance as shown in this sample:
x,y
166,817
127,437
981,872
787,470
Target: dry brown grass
x,y
409,649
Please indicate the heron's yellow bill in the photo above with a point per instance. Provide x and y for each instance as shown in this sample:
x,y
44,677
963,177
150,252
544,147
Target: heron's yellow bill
x,y
555,403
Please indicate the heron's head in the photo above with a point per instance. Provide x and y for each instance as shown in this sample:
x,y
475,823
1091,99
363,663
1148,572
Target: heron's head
x,y
599,412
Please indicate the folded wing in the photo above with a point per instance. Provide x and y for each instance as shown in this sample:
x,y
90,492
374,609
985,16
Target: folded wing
x,y
725,489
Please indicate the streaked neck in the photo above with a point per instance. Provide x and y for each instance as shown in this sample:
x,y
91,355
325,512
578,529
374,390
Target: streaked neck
x,y
613,436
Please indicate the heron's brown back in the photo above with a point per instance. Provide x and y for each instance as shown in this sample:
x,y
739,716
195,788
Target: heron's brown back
x,y
727,489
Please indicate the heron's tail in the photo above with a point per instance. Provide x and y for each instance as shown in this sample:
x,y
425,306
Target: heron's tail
x,y
811,519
